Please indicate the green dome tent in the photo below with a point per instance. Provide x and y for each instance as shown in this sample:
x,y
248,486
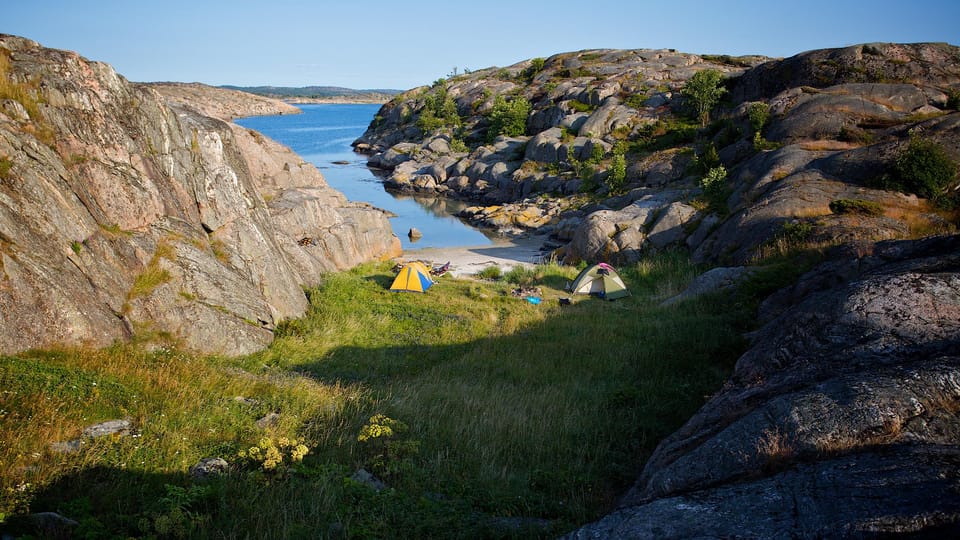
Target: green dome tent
x,y
600,280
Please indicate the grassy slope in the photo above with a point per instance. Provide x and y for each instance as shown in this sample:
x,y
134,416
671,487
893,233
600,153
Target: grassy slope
x,y
513,409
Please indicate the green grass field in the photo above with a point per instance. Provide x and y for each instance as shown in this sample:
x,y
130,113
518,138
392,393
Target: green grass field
x,y
501,418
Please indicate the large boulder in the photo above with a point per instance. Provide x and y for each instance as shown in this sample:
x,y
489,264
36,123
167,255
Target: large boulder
x,y
651,220
839,421
545,146
839,111
610,116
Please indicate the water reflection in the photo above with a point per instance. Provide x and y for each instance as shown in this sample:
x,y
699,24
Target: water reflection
x,y
322,136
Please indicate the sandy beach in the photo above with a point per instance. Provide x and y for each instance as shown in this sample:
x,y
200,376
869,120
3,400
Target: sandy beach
x,y
506,253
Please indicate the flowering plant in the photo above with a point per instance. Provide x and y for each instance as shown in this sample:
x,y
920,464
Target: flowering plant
x,y
269,455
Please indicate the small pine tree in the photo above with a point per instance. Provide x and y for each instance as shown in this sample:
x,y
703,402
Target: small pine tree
x,y
618,172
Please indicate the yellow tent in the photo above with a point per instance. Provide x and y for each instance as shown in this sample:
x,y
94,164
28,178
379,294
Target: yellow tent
x,y
413,277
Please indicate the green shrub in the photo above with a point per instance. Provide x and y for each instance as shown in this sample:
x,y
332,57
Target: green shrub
x,y
490,272
579,106
522,275
386,446
536,66
924,168
665,134
714,180
581,169
709,159
796,232
759,116
760,144
953,100
724,133
439,110
508,117
856,206
596,154
457,145
635,100
703,91
855,134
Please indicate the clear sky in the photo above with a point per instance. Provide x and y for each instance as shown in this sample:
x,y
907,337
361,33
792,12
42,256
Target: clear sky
x,y
405,43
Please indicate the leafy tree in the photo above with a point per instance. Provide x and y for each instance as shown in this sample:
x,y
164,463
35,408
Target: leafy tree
x,y
508,117
703,91
759,115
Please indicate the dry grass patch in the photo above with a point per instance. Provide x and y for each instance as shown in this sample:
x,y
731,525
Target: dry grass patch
x,y
775,449
827,145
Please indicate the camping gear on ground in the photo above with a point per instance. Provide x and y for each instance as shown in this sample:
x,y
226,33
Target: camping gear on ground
x,y
413,277
533,299
523,292
440,270
599,280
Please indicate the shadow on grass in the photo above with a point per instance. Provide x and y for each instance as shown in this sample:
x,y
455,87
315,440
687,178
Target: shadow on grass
x,y
103,502
526,433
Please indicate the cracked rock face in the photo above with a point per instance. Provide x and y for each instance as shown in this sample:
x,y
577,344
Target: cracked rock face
x,y
122,212
840,421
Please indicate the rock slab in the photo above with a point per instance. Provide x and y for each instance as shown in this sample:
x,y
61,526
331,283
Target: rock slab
x,y
839,422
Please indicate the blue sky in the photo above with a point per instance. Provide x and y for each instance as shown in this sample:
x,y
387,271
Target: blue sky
x,y
402,44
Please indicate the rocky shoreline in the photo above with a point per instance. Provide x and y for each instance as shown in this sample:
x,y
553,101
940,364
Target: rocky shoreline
x,y
834,121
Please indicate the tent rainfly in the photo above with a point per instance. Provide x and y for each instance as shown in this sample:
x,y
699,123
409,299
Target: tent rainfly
x,y
600,280
413,277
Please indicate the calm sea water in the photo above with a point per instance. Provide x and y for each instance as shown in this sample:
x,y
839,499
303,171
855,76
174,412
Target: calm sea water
x,y
322,136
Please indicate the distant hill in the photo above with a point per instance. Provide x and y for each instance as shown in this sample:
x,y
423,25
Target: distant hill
x,y
321,93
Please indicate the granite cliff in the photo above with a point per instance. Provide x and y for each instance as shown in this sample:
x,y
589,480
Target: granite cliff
x,y
125,210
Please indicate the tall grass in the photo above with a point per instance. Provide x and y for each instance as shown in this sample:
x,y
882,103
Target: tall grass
x,y
514,410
